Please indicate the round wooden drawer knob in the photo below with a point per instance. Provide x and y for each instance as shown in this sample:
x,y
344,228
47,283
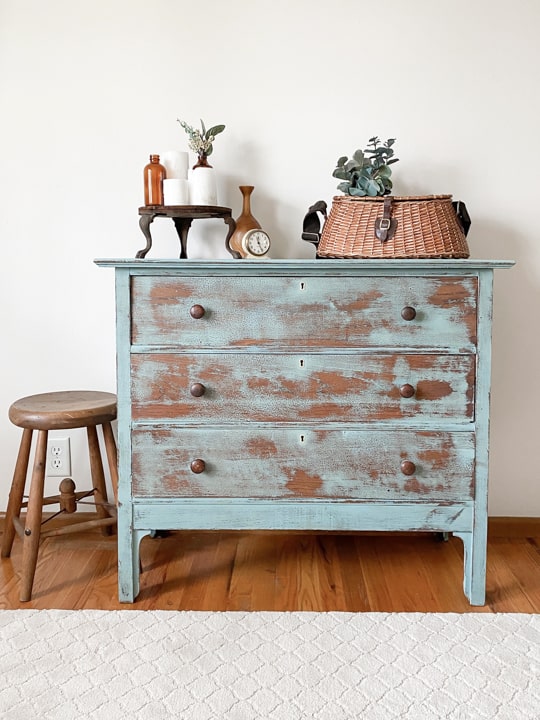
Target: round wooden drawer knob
x,y
197,312
408,467
407,391
197,389
198,466
408,313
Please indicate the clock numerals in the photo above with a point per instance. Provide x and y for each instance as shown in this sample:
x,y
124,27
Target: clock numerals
x,y
256,242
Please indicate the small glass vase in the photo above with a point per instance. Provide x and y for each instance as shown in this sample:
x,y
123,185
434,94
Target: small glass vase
x,y
202,183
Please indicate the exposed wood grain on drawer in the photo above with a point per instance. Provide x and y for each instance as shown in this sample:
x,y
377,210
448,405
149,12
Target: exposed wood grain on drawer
x,y
274,312
288,388
303,463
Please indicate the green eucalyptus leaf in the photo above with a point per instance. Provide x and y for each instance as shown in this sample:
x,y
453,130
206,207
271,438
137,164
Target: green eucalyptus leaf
x,y
341,174
385,171
344,187
358,155
363,182
342,160
352,165
215,130
394,160
372,189
357,192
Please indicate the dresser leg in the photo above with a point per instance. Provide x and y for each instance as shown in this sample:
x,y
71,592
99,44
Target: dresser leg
x,y
129,563
474,566
127,572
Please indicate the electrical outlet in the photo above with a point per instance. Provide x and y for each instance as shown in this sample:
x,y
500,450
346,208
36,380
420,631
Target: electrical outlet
x,y
58,457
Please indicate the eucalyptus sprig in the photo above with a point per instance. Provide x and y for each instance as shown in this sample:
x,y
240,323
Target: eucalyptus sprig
x,y
200,141
368,171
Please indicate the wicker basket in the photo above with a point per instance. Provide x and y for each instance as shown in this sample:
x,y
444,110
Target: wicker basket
x,y
412,227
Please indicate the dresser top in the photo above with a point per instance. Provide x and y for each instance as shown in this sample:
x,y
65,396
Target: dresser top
x,y
311,266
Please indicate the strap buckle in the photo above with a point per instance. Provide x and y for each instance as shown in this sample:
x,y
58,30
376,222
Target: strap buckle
x,y
385,226
311,237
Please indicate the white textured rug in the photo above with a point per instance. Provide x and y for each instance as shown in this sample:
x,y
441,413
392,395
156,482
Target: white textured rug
x,y
104,665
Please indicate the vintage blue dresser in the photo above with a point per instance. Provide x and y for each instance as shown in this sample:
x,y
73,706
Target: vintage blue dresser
x,y
304,395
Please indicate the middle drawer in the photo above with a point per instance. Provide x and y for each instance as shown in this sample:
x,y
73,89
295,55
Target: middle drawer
x,y
276,388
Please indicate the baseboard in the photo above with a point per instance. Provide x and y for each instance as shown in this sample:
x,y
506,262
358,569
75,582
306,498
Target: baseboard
x,y
498,527
513,527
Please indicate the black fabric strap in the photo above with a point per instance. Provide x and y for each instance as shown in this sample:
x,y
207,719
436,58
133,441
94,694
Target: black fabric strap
x,y
311,230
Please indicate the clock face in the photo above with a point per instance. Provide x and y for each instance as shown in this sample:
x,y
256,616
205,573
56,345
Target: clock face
x,y
256,242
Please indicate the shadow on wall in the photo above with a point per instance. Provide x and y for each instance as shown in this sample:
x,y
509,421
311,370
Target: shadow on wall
x,y
516,293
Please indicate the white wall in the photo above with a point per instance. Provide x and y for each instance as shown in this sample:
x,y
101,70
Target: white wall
x,y
89,89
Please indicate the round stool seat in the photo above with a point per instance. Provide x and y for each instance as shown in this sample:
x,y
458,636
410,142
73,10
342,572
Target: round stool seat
x,y
63,410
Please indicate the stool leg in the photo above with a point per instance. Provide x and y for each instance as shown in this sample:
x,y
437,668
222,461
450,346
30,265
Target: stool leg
x,y
112,456
33,518
17,491
98,477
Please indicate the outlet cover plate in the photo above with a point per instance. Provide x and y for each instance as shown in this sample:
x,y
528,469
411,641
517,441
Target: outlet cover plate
x,y
58,457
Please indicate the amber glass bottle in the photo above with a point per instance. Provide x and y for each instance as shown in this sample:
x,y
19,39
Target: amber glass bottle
x,y
154,174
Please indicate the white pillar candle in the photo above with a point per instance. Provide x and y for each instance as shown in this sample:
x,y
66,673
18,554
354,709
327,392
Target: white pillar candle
x,y
175,164
202,186
175,191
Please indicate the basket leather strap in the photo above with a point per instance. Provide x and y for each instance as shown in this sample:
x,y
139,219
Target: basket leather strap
x,y
462,215
311,230
385,227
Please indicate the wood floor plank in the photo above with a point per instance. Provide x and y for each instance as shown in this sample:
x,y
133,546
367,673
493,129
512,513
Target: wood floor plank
x,y
331,573
353,589
253,574
287,580
514,576
218,589
165,565
405,577
278,571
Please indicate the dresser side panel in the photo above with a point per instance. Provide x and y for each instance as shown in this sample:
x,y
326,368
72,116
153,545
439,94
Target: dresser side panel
x,y
126,570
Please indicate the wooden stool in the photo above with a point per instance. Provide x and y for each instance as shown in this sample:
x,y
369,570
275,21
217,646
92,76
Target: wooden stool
x,y
57,411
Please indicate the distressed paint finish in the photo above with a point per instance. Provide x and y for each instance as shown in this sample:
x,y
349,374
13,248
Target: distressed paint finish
x,y
302,462
306,388
302,425
249,514
310,312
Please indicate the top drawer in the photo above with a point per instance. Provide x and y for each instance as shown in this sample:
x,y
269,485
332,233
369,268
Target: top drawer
x,y
304,313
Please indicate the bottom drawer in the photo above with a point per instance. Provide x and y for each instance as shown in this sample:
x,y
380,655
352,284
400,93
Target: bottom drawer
x,y
303,463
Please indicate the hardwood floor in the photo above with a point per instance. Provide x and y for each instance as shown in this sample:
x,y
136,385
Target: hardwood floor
x,y
281,571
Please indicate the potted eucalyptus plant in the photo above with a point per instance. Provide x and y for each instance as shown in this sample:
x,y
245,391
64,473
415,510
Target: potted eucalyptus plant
x,y
368,172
